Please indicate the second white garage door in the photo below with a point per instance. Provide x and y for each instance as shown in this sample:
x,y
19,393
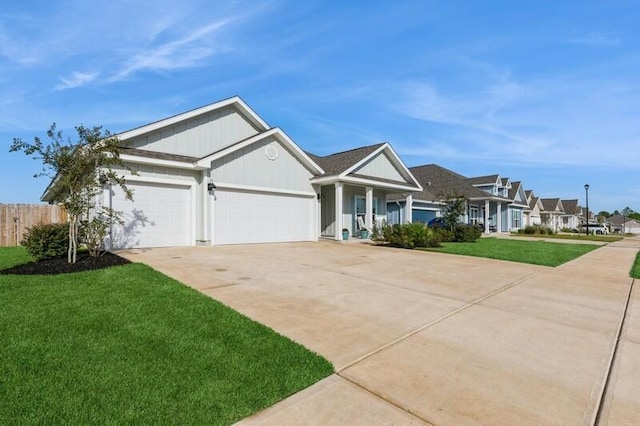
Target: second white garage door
x,y
159,216
241,217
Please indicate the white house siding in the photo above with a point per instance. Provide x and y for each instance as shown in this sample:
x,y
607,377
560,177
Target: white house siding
x,y
381,167
265,164
328,211
199,136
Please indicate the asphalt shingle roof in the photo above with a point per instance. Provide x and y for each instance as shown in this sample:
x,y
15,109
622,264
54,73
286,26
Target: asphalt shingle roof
x,y
159,155
335,164
438,183
550,204
483,180
571,206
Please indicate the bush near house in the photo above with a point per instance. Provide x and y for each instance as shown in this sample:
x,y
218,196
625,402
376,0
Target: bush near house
x,y
414,235
537,230
47,241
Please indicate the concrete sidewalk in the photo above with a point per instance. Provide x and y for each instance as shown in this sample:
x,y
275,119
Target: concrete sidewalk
x,y
427,338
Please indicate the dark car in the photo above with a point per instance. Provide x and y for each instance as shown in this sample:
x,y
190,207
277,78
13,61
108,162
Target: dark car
x,y
437,222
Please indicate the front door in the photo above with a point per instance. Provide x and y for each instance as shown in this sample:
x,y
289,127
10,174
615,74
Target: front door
x,y
361,210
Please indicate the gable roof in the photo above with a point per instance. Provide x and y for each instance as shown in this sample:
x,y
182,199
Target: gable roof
x,y
343,166
335,164
571,207
618,219
551,205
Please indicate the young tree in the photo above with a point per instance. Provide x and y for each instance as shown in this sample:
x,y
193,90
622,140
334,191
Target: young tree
x,y
455,206
79,171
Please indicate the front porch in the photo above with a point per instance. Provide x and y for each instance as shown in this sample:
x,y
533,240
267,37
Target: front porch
x,y
350,207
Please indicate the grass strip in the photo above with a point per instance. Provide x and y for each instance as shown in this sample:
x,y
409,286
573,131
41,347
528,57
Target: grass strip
x,y
533,252
635,269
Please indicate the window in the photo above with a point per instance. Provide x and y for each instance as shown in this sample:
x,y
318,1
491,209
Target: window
x,y
473,215
516,219
361,206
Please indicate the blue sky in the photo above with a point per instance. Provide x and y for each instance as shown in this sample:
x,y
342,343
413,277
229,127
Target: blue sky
x,y
543,92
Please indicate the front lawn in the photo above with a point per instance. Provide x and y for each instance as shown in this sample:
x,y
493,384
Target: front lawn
x,y
533,252
129,345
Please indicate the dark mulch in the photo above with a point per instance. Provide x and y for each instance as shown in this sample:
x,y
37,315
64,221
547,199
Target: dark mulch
x,y
84,262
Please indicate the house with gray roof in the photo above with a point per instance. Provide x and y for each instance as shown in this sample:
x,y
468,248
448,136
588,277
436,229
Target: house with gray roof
x,y
219,174
551,213
487,199
572,217
532,214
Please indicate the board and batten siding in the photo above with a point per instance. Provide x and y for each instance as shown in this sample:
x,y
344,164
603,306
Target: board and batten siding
x,y
266,164
199,136
381,167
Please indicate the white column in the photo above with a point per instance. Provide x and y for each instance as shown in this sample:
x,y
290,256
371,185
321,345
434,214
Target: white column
x,y
339,218
408,209
206,207
486,216
499,217
368,209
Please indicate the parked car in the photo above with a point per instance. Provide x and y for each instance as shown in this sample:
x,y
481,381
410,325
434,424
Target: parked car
x,y
437,222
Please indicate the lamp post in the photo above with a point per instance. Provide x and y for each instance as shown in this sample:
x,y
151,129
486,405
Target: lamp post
x,y
586,190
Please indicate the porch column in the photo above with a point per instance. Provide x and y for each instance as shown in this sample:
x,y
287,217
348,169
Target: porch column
x,y
368,209
339,224
408,209
499,217
486,216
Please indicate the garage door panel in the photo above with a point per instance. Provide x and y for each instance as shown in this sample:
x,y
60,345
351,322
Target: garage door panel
x,y
250,217
159,216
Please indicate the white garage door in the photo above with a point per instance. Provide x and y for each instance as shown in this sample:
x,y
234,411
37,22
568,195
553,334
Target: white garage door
x,y
159,216
250,217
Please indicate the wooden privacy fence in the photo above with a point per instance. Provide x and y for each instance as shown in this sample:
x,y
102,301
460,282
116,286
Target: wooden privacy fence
x,y
15,219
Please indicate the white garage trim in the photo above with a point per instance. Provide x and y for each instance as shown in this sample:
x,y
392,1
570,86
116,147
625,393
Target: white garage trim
x,y
249,188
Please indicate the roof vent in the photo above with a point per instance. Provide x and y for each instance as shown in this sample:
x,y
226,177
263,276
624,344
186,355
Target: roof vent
x,y
429,183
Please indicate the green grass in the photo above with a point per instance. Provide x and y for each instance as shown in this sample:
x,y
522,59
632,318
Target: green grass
x,y
130,345
581,237
635,269
533,252
12,256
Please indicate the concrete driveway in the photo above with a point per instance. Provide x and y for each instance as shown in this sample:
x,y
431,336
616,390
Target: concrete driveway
x,y
428,338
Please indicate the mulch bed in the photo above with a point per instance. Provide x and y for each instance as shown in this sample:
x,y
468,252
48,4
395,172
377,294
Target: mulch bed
x,y
57,266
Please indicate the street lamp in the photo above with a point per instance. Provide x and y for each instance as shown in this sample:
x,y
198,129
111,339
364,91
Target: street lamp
x,y
586,190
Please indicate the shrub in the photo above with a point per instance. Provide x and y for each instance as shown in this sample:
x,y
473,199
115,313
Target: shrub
x,y
530,230
410,235
47,241
445,235
464,233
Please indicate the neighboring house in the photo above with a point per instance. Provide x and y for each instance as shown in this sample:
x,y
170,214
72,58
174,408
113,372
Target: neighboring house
x,y
572,216
551,213
624,224
484,206
494,208
220,174
519,207
532,215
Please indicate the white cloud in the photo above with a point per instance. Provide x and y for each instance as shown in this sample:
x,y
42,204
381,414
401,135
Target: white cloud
x,y
77,79
186,51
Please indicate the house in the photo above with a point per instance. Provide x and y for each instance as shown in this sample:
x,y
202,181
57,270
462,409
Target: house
x,y
487,198
519,206
624,224
571,218
495,210
220,174
551,213
532,215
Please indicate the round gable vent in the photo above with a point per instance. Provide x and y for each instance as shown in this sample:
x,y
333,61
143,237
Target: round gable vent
x,y
271,151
